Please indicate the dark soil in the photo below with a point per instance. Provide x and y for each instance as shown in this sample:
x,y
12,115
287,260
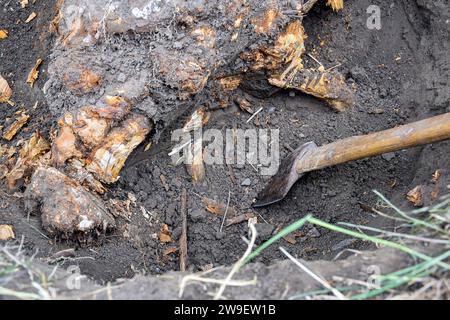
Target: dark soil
x,y
402,75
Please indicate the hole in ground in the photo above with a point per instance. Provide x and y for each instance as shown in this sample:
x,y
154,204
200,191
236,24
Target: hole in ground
x,y
333,194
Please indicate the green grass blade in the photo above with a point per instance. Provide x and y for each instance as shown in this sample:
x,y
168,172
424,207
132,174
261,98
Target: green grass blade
x,y
289,229
415,221
375,240
417,271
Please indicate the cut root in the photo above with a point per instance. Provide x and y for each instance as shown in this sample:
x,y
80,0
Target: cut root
x,y
326,85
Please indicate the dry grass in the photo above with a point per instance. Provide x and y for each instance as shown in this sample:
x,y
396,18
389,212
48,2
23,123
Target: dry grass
x,y
427,279
19,278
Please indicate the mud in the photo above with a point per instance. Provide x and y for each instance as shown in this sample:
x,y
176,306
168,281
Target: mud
x,y
401,73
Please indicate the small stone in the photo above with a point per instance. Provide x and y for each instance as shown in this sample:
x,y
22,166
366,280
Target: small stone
x,y
246,182
219,235
358,73
343,244
332,193
388,156
121,77
264,231
197,215
313,233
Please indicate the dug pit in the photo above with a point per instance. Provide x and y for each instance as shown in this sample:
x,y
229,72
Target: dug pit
x,y
391,76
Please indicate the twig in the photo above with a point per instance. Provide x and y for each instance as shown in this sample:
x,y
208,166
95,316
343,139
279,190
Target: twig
x,y
355,252
178,148
255,114
254,168
226,210
308,6
324,283
334,67
183,238
312,57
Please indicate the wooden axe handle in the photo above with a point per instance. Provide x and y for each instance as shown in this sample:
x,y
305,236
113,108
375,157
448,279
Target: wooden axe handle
x,y
359,147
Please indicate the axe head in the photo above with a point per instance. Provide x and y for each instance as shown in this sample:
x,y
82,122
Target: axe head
x,y
280,184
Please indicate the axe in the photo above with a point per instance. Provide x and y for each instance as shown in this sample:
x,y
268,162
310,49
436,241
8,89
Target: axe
x,y
309,156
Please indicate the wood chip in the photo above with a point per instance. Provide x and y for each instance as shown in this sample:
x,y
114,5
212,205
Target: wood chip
x,y
15,127
5,90
63,254
170,250
197,120
290,239
30,155
6,232
435,194
164,182
195,166
31,17
3,34
23,3
366,207
239,219
336,4
415,196
230,83
436,176
218,208
164,234
148,146
244,104
34,73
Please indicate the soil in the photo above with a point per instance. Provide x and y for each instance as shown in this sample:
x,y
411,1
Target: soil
x,y
401,73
